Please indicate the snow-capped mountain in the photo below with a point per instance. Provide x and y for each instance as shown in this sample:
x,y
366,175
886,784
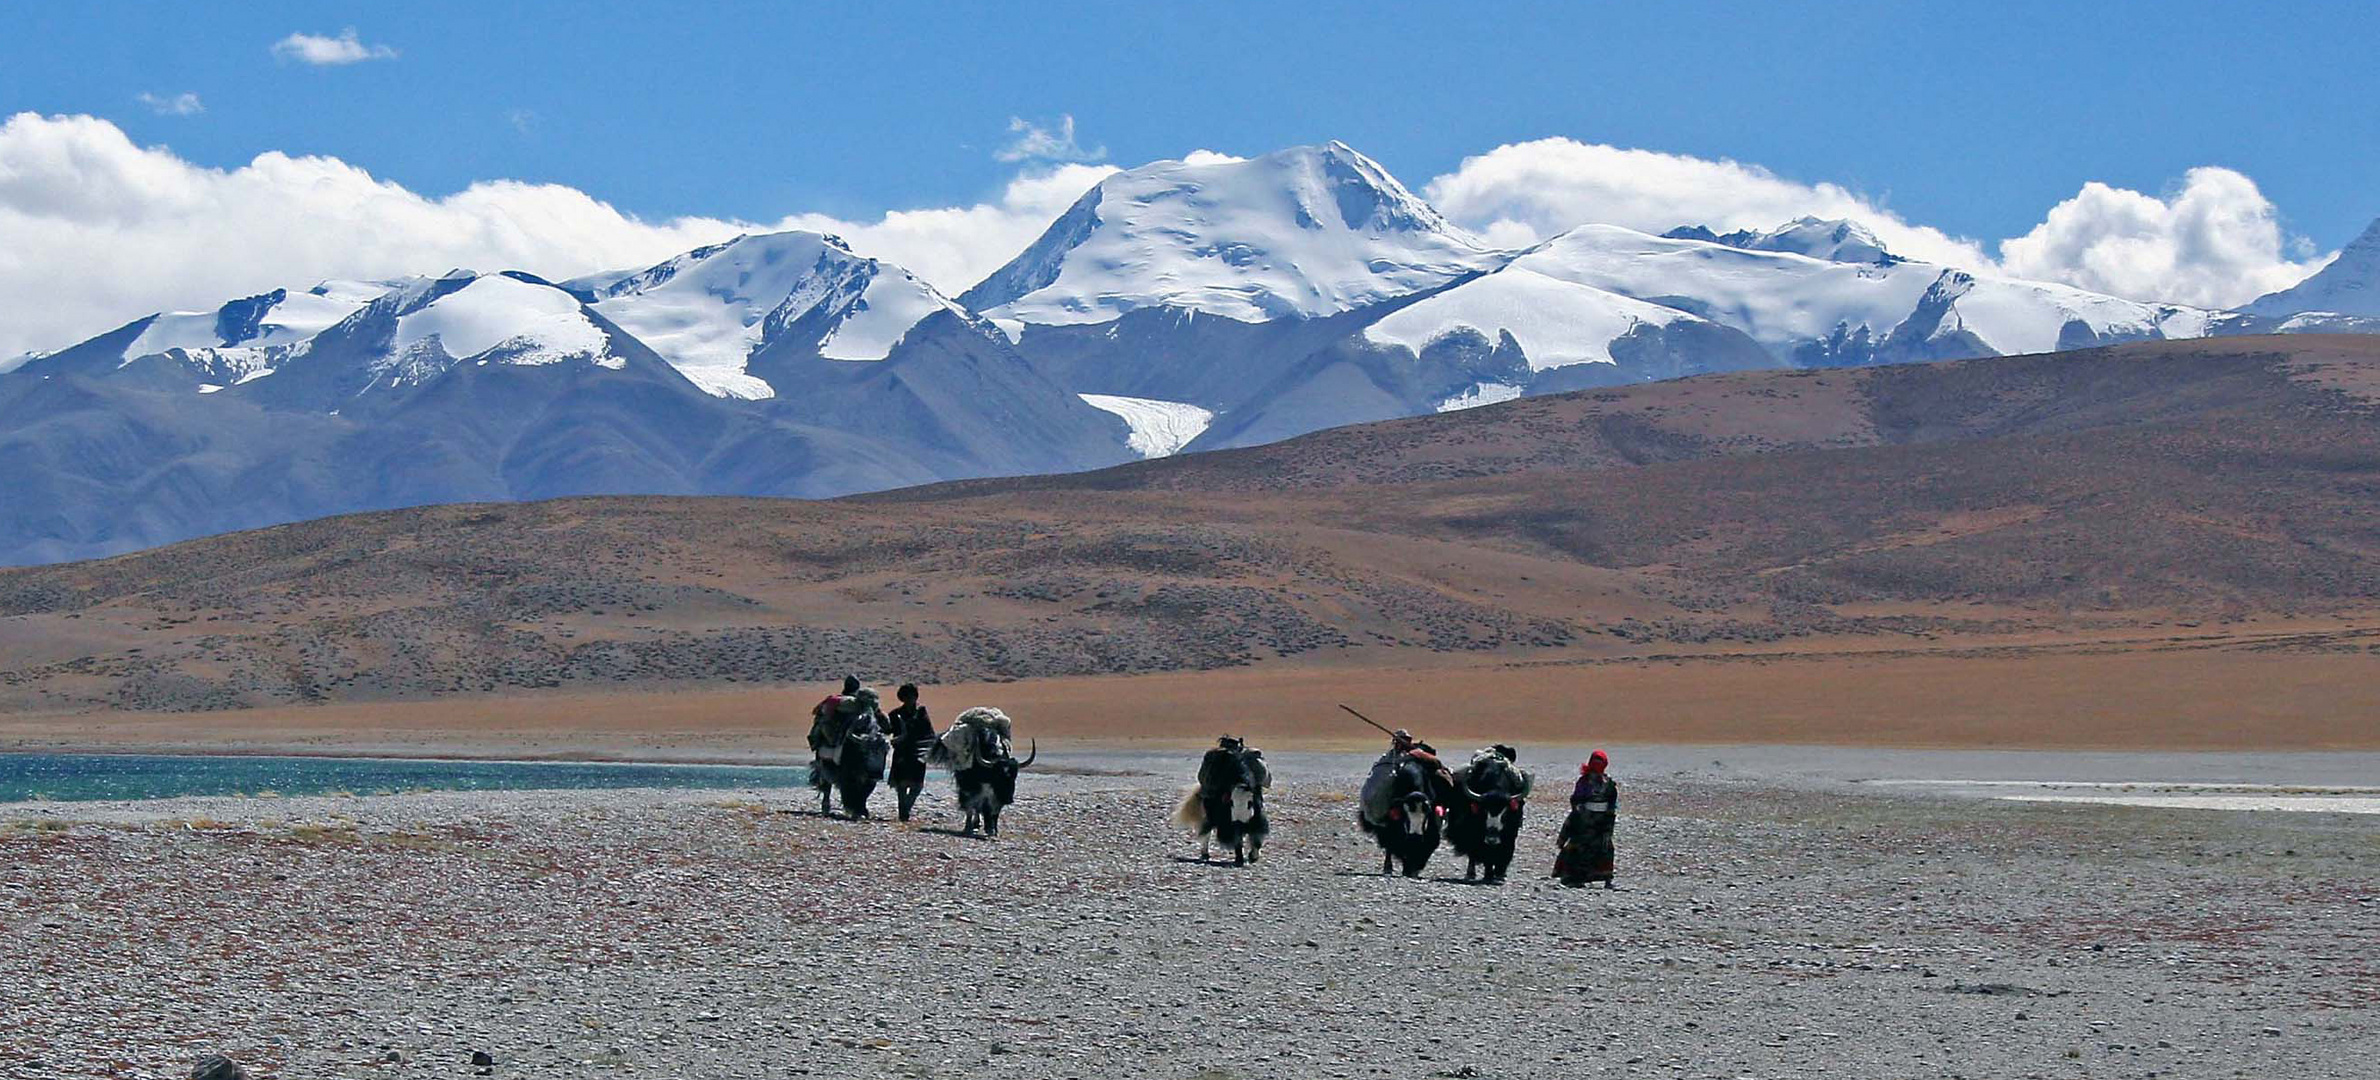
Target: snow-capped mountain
x,y
1301,233
1177,307
1834,240
469,386
2349,286
712,310
1815,311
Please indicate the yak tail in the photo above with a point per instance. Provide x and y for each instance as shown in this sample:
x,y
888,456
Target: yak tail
x,y
1192,814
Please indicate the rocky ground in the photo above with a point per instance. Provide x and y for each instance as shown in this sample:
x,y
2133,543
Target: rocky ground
x,y
1763,929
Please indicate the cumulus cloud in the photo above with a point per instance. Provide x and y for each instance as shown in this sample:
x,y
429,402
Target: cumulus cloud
x,y
182,104
954,247
1210,157
1029,141
322,50
2214,241
96,230
1524,192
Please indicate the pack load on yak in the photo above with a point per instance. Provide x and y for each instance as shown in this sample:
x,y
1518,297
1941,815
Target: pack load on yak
x,y
1379,790
1490,792
848,747
978,749
1403,802
1227,802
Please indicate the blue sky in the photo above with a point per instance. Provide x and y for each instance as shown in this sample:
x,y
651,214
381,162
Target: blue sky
x,y
174,155
1973,118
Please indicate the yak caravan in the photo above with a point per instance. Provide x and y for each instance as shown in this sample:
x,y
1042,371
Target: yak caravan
x,y
449,452
1410,803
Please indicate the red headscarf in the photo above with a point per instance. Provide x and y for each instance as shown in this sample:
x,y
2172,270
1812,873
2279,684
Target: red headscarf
x,y
1595,763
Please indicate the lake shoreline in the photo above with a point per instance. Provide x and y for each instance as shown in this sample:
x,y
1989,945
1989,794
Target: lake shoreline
x,y
718,933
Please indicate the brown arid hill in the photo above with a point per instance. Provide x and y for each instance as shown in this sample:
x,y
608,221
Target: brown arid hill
x,y
2217,501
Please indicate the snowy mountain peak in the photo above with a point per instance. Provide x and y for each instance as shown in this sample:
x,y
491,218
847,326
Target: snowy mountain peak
x,y
2350,285
1834,240
710,310
1299,233
509,318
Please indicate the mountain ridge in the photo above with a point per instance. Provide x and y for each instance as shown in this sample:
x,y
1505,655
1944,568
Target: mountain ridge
x,y
1183,306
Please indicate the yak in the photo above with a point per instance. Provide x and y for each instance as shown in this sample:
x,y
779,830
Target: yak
x,y
1485,818
1227,803
1407,824
984,764
853,771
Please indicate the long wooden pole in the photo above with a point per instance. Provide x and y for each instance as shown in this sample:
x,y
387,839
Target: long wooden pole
x,y
1368,720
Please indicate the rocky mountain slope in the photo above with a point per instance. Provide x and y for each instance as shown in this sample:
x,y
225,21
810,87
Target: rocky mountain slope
x,y
1181,306
1988,501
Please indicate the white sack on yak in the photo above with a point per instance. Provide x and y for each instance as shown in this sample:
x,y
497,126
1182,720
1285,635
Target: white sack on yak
x,y
965,734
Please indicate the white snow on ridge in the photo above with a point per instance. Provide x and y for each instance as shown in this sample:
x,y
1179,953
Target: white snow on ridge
x,y
895,300
1556,323
1159,428
542,324
2027,316
708,310
1781,298
1303,232
300,315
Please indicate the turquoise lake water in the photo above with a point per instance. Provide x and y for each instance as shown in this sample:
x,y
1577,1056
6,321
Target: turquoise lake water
x,y
80,777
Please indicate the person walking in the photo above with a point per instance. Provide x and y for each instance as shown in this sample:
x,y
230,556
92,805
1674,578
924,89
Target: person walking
x,y
1586,839
913,739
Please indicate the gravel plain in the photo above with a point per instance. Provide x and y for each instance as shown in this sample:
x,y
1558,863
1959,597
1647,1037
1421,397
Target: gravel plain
x,y
1764,928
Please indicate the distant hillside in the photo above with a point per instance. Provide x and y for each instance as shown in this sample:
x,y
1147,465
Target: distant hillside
x,y
1982,500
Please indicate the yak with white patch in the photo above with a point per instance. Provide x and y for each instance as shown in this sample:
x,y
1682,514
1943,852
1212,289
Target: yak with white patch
x,y
1485,819
1227,803
984,763
1402,809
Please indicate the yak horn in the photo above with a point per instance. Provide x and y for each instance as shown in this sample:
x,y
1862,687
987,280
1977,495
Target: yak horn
x,y
1034,753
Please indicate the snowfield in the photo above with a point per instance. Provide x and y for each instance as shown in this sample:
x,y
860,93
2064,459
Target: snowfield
x,y
296,317
1556,323
537,324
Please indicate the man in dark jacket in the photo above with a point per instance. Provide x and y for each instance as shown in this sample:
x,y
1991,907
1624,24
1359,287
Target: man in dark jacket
x,y
913,739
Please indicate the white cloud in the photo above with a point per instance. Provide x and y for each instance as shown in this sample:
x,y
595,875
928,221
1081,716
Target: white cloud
x,y
95,230
2215,241
1524,192
522,120
321,50
1210,157
182,104
1032,142
954,247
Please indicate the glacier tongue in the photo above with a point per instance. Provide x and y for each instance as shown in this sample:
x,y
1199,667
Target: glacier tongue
x,y
1158,428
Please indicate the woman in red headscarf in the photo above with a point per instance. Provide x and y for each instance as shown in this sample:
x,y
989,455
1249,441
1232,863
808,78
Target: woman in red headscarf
x,y
1586,848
